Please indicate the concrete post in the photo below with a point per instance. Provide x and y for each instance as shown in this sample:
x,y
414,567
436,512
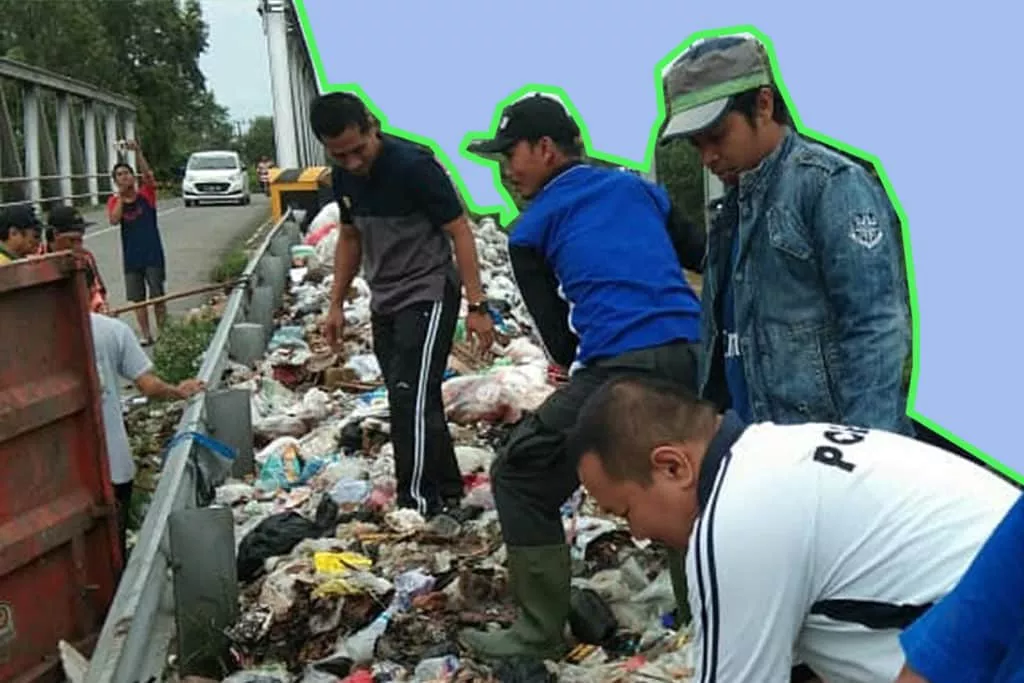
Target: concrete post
x,y
202,546
64,148
292,229
229,420
247,342
111,135
90,153
281,246
273,272
129,134
261,309
30,108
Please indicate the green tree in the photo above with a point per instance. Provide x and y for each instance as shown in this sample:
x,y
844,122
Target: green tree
x,y
258,140
206,126
679,170
148,50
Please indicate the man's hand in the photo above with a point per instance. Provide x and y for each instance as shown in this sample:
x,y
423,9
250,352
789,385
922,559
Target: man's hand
x,y
132,145
334,326
557,375
190,387
480,328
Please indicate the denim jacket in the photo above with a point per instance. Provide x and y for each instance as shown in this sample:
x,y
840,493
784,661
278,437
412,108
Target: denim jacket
x,y
821,308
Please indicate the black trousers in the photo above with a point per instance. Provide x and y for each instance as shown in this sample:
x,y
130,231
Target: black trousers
x,y
412,347
123,499
532,475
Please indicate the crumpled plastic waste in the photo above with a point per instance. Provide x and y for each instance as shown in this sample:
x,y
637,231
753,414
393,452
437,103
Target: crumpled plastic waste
x,y
326,220
337,584
272,674
278,534
365,366
502,395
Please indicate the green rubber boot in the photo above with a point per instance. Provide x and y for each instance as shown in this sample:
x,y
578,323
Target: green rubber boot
x,y
539,579
677,572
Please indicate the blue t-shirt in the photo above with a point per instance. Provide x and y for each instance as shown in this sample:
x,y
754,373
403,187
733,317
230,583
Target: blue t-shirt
x,y
976,633
735,376
141,246
603,233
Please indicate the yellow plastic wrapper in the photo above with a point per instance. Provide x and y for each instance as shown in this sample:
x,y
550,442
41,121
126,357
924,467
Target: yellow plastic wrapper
x,y
339,563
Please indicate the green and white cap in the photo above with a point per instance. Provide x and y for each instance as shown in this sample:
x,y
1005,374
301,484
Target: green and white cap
x,y
700,84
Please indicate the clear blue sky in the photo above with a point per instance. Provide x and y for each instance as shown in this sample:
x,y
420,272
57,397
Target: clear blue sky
x,y
235,63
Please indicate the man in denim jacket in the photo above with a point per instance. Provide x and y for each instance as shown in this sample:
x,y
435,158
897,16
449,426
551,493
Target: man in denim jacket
x,y
805,311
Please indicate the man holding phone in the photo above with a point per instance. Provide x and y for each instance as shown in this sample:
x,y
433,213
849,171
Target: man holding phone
x,y
133,206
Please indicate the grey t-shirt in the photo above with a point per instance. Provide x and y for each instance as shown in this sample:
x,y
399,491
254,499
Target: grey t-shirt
x,y
118,355
400,211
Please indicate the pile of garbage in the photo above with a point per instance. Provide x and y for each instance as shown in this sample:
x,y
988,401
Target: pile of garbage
x,y
337,584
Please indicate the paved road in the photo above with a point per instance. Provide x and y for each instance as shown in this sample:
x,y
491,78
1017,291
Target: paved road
x,y
194,241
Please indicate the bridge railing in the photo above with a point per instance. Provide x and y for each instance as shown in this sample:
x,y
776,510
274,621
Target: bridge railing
x,y
58,137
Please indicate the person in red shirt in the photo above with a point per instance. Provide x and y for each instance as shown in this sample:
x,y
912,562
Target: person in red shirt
x,y
133,207
67,232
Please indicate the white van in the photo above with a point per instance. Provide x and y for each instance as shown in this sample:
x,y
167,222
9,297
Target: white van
x,y
215,176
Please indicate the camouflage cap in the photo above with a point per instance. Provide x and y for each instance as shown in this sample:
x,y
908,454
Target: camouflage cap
x,y
700,84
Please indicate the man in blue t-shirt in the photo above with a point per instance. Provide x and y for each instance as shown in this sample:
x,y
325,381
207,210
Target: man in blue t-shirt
x,y
133,206
597,256
976,633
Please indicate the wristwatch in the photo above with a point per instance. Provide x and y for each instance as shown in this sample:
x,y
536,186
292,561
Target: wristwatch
x,y
478,307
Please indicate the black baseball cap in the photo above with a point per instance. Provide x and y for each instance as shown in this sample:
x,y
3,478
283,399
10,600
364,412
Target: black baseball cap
x,y
530,118
22,217
68,219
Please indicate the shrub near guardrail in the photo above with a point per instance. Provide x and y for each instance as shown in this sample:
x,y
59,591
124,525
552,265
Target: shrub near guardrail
x,y
179,349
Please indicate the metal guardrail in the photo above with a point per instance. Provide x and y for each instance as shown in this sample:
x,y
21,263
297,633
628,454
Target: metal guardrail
x,y
134,643
34,75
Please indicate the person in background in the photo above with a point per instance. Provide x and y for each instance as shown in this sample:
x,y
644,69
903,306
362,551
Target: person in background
x,y
401,220
133,206
976,633
805,307
119,355
805,543
67,231
20,233
263,172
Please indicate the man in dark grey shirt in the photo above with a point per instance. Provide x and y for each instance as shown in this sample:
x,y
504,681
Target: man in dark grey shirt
x,y
400,217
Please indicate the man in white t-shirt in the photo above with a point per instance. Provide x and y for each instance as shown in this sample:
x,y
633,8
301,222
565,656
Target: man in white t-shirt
x,y
811,544
119,355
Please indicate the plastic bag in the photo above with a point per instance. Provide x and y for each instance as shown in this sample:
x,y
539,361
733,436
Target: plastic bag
x,y
365,366
351,491
522,351
276,426
325,247
326,219
278,534
499,396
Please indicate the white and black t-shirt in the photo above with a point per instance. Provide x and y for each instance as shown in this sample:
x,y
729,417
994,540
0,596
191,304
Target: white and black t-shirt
x,y
118,354
818,544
